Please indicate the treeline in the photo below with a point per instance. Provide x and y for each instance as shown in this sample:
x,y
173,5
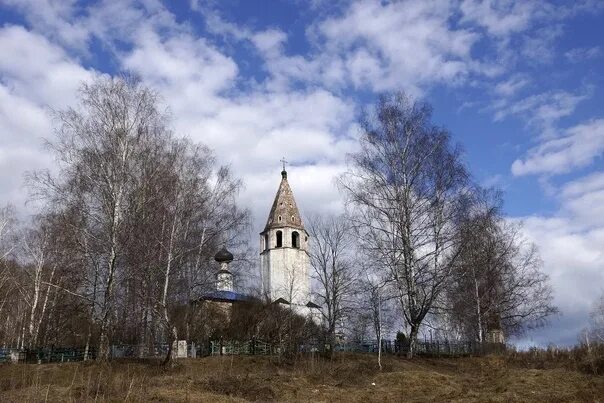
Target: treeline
x,y
130,219
131,216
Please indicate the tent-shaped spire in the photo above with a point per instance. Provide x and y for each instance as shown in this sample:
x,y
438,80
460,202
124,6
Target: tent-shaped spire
x,y
284,212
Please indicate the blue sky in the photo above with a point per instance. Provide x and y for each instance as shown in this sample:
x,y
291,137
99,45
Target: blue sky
x,y
519,84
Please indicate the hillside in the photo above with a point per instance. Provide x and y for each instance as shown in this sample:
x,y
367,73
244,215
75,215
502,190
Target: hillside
x,y
348,379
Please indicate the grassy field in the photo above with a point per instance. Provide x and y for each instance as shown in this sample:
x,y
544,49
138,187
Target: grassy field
x,y
351,378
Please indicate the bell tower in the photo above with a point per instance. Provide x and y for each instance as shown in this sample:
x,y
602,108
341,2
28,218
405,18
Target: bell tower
x,y
284,261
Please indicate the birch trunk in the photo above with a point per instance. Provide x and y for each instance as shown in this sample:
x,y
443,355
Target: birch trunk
x,y
380,329
43,310
478,309
164,301
116,218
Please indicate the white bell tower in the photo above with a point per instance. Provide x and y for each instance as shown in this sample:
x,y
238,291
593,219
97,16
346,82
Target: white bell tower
x,y
284,261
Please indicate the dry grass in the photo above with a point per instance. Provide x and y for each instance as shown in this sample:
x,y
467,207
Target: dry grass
x,y
579,358
350,378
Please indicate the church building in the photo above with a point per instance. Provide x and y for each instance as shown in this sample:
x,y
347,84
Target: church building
x,y
284,260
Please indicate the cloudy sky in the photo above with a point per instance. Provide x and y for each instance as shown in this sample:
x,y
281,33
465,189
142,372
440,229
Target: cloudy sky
x,y
519,84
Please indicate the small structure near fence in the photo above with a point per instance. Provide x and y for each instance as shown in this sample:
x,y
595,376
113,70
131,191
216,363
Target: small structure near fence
x,y
9,355
180,349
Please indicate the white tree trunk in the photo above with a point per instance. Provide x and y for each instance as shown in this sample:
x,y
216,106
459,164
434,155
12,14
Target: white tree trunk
x,y
379,302
478,309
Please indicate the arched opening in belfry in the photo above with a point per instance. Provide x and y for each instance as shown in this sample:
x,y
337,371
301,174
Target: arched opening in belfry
x,y
279,239
266,245
295,239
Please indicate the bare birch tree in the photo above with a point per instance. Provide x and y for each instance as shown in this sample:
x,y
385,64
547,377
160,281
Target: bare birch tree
x,y
331,258
403,188
376,298
498,283
597,320
8,291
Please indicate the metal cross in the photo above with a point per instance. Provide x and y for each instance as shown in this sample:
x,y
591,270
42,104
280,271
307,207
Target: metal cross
x,y
284,162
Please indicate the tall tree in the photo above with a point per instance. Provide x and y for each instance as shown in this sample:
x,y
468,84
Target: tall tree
x,y
497,283
596,328
10,296
331,258
403,187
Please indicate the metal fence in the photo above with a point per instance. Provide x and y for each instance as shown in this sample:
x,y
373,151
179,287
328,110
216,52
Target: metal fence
x,y
456,348
439,348
160,350
367,346
250,347
45,355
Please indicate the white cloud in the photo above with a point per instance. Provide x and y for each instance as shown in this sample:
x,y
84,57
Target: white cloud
x,y
54,18
540,111
270,42
578,55
572,258
539,46
370,45
187,66
577,148
583,199
34,68
523,32
400,44
499,18
570,245
511,86
27,90
579,187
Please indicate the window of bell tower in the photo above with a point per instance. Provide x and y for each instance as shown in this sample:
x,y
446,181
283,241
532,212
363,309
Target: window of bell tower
x,y
295,239
279,239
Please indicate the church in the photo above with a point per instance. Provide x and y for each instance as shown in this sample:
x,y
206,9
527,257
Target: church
x,y
284,259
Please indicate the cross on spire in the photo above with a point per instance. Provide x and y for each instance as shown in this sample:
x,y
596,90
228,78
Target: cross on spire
x,y
284,162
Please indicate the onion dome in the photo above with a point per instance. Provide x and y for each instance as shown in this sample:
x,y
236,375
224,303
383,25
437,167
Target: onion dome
x,y
223,256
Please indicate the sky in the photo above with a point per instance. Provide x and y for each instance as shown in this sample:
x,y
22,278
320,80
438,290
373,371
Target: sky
x,y
518,84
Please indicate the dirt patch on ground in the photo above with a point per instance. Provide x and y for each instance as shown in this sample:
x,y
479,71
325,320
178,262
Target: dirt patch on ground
x,y
347,378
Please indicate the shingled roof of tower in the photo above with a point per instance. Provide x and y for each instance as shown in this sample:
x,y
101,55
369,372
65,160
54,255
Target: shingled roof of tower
x,y
284,212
